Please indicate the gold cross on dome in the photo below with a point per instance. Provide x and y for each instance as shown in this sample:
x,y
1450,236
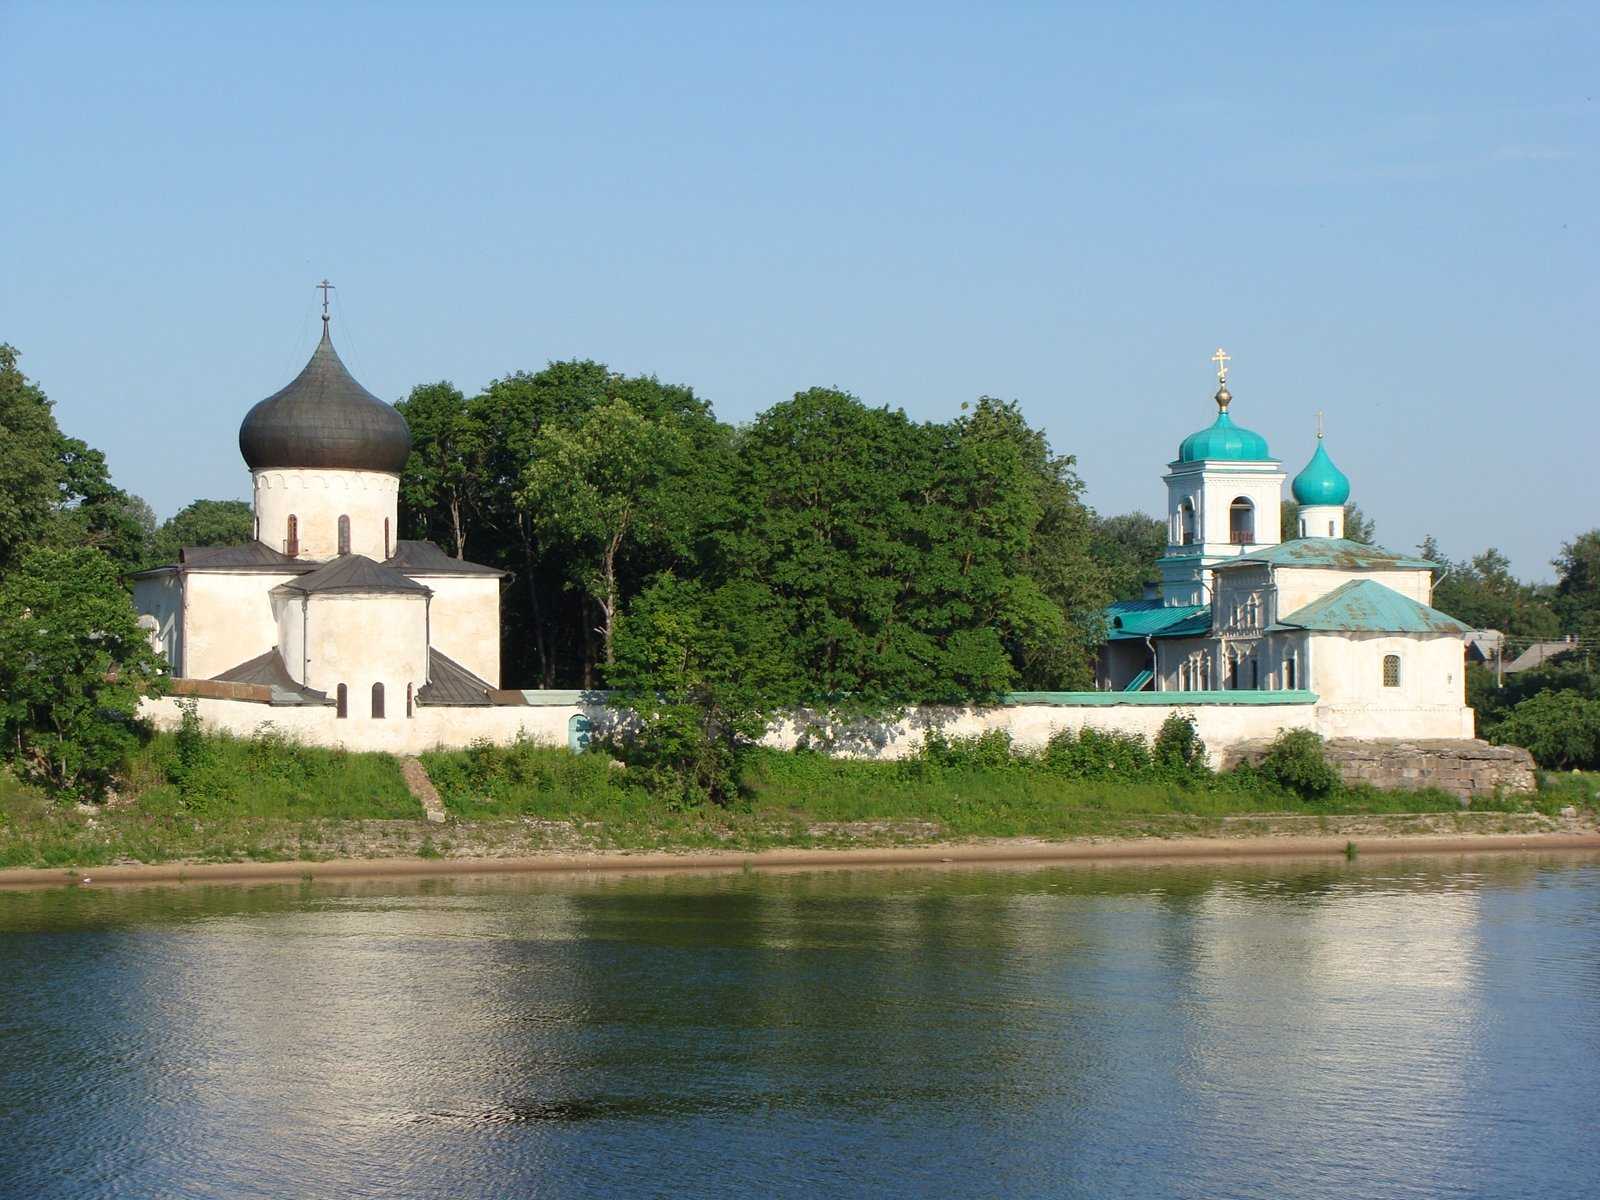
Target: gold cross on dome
x,y
1221,358
326,287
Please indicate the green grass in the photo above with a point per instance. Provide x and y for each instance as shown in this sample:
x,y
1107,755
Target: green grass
x,y
267,799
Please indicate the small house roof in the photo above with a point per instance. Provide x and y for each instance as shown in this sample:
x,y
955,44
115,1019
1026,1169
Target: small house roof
x,y
426,558
354,573
1365,606
268,669
1340,554
1138,619
449,683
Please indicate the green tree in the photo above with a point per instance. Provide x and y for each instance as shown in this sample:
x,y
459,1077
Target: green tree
x,y
31,468
1484,594
704,671
1560,729
597,488
440,488
1577,594
202,523
73,666
1127,548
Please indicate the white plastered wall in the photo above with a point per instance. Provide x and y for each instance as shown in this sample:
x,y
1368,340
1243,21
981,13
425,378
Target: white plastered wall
x,y
229,620
361,639
1322,520
1346,672
465,621
317,499
160,597
1299,586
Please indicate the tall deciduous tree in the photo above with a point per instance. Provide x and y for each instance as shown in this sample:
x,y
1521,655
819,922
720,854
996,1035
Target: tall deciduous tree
x,y
73,666
31,468
1127,548
202,523
1577,596
598,489
444,476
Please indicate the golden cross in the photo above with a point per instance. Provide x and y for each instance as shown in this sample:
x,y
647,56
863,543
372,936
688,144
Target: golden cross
x,y
325,286
1221,358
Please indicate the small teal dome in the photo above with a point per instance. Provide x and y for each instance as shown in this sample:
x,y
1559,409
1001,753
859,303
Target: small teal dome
x,y
1224,440
1321,482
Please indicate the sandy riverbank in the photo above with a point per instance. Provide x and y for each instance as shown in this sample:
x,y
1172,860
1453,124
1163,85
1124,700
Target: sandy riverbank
x,y
999,851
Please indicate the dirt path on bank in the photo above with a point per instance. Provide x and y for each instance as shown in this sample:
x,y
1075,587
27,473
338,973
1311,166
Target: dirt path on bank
x,y
997,852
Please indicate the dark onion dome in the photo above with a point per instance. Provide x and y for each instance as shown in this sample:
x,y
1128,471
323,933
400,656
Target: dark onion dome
x,y
325,419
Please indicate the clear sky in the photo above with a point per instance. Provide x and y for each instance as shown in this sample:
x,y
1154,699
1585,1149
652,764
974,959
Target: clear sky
x,y
1385,211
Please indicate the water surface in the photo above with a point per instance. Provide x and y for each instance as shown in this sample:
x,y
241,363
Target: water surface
x,y
1426,1027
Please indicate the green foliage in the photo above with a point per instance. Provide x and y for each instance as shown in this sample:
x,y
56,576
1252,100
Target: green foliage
x,y
1483,593
73,667
527,779
988,751
1094,754
443,484
704,670
1178,749
1127,548
202,523
270,775
1295,762
1577,592
31,470
1561,729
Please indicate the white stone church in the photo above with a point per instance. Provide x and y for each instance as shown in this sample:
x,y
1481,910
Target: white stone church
x,y
329,628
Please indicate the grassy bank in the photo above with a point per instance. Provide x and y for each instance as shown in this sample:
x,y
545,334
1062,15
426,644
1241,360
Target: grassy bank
x,y
218,799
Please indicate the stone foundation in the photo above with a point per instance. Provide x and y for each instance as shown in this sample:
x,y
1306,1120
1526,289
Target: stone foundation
x,y
1466,768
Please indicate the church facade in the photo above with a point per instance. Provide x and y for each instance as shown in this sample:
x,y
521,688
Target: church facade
x,y
329,628
1240,610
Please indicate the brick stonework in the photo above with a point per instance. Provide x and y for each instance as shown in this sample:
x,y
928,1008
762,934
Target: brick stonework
x,y
1464,768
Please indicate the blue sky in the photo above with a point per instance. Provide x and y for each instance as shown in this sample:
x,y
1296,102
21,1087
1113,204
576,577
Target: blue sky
x,y
1384,211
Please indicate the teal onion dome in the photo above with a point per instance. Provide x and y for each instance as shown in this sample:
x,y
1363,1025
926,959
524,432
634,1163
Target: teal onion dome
x,y
1224,440
1321,482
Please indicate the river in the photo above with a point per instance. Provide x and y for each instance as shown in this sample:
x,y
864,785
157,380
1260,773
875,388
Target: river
x,y
1424,1027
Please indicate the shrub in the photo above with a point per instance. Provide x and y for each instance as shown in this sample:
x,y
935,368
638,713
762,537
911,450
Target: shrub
x,y
1178,749
985,751
1093,754
1560,729
1296,763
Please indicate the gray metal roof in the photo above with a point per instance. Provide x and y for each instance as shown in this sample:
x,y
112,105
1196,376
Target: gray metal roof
x,y
250,557
354,573
425,558
451,684
268,669
325,419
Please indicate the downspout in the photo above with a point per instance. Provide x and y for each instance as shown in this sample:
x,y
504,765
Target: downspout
x,y
1155,667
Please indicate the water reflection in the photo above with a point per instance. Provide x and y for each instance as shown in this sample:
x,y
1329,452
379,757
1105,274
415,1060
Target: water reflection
x,y
1424,1027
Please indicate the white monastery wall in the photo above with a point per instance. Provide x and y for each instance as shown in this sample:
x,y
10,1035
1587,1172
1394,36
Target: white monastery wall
x,y
1430,700
464,621
229,621
317,499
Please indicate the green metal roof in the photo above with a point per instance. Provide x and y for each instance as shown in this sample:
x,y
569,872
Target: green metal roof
x,y
1171,699
1225,441
1139,619
1337,553
1362,606
1321,482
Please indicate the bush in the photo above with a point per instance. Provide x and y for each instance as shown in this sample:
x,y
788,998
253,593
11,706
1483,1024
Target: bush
x,y
1092,754
1178,750
1560,729
984,751
1296,763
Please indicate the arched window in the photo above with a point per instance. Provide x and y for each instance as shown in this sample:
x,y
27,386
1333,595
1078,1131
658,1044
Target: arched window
x,y
255,530
1255,674
1288,674
1391,670
344,535
342,700
1233,673
410,700
291,545
386,550
1242,522
1186,531
377,702
1302,527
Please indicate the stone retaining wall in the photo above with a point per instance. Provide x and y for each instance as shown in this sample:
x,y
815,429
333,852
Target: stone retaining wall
x,y
1464,767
